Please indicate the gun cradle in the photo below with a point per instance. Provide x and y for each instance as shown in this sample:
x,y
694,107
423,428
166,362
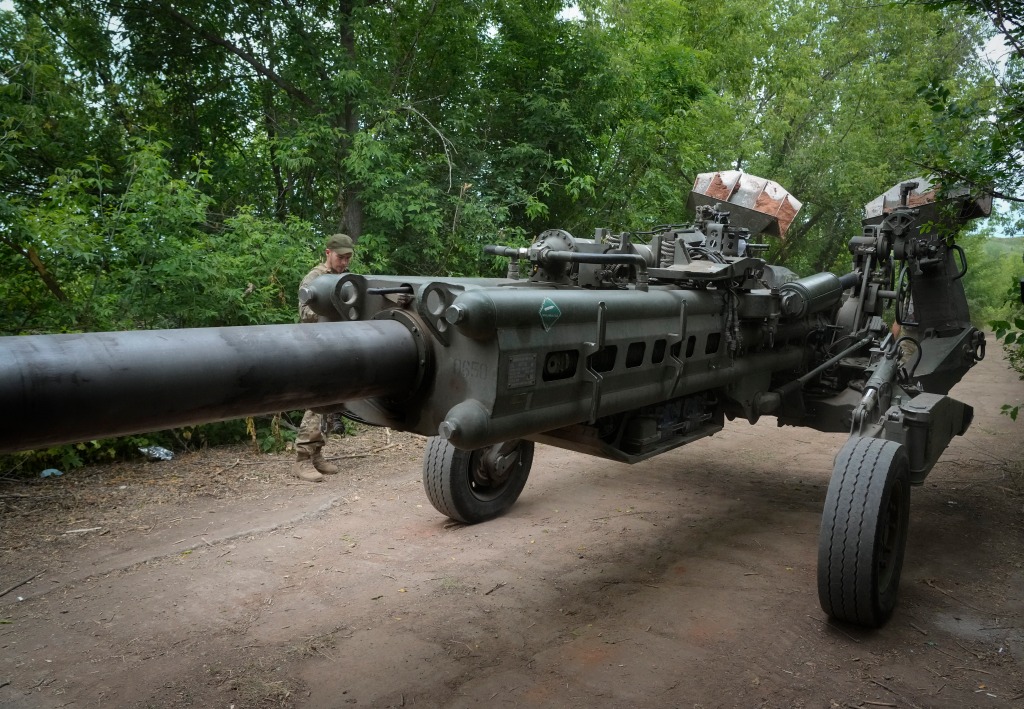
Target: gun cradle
x,y
643,371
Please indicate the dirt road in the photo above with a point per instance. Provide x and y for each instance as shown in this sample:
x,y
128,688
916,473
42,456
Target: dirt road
x,y
687,581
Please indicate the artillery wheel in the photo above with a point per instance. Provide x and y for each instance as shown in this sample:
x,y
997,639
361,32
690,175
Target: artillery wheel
x,y
473,486
864,532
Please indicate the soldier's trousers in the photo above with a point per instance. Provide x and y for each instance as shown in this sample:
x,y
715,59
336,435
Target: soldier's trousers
x,y
310,438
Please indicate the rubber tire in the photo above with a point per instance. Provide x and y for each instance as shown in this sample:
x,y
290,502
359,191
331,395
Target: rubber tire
x,y
448,481
863,534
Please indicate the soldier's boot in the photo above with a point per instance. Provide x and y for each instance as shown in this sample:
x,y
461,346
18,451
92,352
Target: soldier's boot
x,y
323,465
304,469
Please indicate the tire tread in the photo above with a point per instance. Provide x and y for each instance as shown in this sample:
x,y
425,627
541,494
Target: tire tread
x,y
846,565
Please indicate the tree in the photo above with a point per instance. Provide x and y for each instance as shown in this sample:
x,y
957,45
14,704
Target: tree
x,y
46,125
427,129
831,102
988,149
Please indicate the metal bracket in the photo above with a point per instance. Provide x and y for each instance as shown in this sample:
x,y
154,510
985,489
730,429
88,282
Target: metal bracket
x,y
349,296
591,348
434,299
678,338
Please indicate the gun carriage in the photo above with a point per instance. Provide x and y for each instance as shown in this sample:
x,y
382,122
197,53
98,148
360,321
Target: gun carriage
x,y
622,346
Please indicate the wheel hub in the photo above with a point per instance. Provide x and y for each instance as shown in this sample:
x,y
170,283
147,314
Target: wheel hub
x,y
493,465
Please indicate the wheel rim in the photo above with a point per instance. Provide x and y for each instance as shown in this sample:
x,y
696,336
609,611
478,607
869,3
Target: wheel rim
x,y
493,468
890,545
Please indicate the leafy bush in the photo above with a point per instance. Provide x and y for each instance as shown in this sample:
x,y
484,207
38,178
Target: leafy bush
x,y
1012,337
267,434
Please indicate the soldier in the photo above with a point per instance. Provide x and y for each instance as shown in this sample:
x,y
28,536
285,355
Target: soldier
x,y
309,442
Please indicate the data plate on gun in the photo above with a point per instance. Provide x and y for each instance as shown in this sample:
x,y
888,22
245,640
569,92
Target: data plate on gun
x,y
522,371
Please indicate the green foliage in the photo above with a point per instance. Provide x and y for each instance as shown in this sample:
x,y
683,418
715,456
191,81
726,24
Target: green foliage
x,y
66,458
148,256
177,165
976,135
269,437
994,266
1011,335
832,106
266,434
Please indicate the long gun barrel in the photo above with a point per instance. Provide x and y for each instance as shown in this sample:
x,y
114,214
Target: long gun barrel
x,y
65,388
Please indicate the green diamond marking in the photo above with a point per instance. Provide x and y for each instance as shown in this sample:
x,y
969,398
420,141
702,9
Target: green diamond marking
x,y
549,313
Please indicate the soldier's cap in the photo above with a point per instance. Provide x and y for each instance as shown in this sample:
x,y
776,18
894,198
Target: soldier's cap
x,y
340,244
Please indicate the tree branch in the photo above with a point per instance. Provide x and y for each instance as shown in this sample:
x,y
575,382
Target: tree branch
x,y
447,144
958,178
256,65
37,263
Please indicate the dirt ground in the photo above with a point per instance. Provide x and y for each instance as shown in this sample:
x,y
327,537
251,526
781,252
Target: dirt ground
x,y
215,580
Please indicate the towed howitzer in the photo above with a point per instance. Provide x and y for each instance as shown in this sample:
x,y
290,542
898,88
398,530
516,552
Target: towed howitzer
x,y
622,346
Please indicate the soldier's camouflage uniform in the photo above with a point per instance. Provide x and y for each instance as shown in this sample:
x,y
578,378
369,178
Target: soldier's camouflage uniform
x,y
310,438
